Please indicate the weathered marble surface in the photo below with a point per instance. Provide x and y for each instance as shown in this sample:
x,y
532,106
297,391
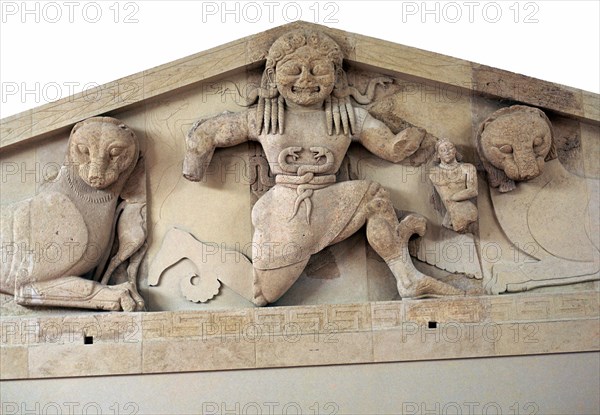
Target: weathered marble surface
x,y
543,209
412,88
161,342
513,144
451,76
304,84
84,228
456,184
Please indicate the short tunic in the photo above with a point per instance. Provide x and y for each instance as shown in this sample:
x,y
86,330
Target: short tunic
x,y
293,221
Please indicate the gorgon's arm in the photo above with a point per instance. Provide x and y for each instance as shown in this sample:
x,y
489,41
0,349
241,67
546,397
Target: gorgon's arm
x,y
381,141
225,130
470,182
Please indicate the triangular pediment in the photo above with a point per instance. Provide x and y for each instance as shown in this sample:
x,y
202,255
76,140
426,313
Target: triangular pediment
x,y
249,52
414,175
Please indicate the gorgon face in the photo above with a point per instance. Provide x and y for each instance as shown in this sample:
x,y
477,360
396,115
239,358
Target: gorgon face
x,y
517,144
305,77
101,152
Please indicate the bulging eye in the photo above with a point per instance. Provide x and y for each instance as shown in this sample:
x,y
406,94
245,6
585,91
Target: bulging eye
x,y
538,141
83,149
506,149
320,69
115,152
291,70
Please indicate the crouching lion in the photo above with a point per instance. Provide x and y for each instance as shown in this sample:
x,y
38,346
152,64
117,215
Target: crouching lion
x,y
84,229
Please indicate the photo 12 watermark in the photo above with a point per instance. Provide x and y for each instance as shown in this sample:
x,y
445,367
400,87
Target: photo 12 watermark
x,y
469,408
69,408
459,332
69,12
269,408
270,11
58,331
469,11
39,93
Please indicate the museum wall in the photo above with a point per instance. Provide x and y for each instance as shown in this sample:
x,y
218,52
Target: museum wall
x,y
545,384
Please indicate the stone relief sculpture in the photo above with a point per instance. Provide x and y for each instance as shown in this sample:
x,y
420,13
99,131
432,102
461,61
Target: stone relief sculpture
x,y
260,178
313,207
305,122
456,183
85,229
81,240
544,210
513,144
228,267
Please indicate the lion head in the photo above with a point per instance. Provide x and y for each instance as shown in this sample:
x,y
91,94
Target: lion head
x,y
513,144
102,149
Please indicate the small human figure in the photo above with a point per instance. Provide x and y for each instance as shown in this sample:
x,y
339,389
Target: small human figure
x,y
456,183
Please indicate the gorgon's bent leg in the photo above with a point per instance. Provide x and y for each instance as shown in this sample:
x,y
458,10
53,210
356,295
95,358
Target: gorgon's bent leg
x,y
77,292
270,284
411,282
390,240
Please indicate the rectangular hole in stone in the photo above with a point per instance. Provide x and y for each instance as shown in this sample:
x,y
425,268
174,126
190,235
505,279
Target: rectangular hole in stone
x,y
432,325
88,339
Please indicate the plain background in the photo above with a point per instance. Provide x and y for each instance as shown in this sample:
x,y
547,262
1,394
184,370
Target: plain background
x,y
51,49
